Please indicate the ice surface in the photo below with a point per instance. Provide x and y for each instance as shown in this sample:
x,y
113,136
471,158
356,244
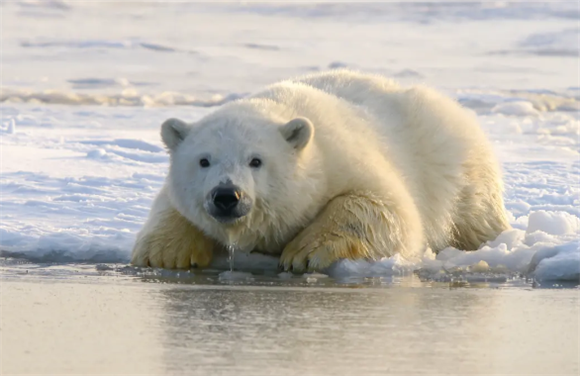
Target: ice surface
x,y
82,159
230,275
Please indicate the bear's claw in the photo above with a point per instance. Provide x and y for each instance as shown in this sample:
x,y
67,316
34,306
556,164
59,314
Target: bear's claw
x,y
176,244
306,254
155,256
345,229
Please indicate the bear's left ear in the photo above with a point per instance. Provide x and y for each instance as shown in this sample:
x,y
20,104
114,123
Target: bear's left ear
x,y
173,131
298,132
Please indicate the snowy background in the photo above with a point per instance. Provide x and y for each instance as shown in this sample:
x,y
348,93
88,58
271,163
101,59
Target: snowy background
x,y
86,85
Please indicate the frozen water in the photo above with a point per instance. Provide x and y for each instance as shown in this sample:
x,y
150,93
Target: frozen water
x,y
230,275
81,154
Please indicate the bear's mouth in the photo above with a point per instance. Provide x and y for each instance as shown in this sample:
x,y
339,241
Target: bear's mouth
x,y
228,216
226,220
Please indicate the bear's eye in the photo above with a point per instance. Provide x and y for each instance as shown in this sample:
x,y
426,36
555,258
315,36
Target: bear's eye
x,y
204,162
255,163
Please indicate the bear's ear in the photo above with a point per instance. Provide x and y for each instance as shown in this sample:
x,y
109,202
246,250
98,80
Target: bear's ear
x,y
173,131
298,132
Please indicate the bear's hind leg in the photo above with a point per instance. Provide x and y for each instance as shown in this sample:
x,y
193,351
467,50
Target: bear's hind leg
x,y
354,226
480,212
172,242
480,218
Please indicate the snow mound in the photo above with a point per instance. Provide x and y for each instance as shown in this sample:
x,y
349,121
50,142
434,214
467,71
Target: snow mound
x,y
554,223
519,108
517,102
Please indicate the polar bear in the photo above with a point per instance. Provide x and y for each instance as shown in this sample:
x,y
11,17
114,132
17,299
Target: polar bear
x,y
332,165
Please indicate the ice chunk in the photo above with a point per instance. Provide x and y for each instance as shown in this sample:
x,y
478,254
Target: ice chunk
x,y
96,153
560,263
516,108
554,223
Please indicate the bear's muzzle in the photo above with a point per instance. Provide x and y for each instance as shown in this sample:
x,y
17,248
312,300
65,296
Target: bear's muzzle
x,y
228,203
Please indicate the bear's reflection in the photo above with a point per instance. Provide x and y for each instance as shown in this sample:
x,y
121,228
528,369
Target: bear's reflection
x,y
257,330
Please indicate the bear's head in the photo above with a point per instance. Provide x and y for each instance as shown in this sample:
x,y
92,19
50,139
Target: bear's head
x,y
240,173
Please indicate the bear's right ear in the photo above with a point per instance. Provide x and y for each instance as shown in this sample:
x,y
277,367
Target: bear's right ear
x,y
173,131
298,132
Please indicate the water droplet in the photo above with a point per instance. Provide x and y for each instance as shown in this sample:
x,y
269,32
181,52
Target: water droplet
x,y
231,253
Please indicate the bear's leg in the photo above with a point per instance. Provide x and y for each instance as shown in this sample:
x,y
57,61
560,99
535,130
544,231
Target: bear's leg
x,y
355,226
480,217
172,242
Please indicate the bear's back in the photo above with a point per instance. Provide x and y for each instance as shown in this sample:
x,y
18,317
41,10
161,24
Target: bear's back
x,y
381,100
354,87
427,137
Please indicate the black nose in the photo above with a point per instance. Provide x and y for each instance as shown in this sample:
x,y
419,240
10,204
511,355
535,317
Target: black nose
x,y
226,198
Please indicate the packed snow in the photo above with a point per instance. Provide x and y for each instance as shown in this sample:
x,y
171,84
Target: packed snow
x,y
82,159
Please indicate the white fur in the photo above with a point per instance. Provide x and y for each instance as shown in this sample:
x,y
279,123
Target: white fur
x,y
415,151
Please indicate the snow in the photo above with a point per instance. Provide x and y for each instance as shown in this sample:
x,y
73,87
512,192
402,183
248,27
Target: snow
x,y
82,158
519,108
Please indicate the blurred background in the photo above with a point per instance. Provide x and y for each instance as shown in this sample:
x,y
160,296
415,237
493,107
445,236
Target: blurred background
x,y
154,53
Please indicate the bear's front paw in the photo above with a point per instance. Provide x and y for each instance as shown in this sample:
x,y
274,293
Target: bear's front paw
x,y
176,244
315,252
358,225
171,253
